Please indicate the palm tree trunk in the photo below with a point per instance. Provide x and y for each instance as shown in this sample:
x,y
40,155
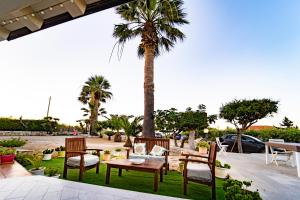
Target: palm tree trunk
x,y
148,124
94,117
128,142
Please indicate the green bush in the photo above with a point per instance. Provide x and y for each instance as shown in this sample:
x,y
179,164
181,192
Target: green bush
x,y
22,158
13,142
237,190
288,134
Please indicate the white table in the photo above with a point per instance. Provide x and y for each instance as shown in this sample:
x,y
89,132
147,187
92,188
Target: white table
x,y
295,147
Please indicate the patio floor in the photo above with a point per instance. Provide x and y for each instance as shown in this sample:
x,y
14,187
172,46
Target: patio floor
x,y
45,188
12,170
273,183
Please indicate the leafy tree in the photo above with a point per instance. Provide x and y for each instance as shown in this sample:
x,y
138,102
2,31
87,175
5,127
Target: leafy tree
x,y
131,127
155,21
94,91
286,122
168,121
244,113
50,124
191,121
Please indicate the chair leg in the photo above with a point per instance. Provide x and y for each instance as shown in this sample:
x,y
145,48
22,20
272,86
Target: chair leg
x,y
97,168
185,182
81,174
213,192
65,171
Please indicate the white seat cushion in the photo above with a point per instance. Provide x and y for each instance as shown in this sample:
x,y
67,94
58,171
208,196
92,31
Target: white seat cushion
x,y
157,151
198,171
140,148
136,156
88,160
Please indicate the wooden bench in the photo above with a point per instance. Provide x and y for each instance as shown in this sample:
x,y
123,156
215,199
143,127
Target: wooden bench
x,y
150,142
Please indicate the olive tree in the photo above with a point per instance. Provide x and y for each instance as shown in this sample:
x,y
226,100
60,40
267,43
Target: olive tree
x,y
191,121
244,113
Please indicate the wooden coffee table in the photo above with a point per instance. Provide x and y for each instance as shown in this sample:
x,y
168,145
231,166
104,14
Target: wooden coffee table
x,y
151,166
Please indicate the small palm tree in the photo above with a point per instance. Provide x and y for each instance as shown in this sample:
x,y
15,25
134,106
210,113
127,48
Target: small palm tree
x,y
155,21
131,128
94,91
114,123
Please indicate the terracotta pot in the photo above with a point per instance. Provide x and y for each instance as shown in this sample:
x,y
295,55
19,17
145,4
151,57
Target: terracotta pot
x,y
221,172
61,154
202,150
40,171
7,159
106,157
47,156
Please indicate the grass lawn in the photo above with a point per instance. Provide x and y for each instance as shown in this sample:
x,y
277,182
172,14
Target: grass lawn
x,y
140,181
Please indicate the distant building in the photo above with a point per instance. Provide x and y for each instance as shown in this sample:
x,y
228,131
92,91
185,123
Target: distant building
x,y
260,127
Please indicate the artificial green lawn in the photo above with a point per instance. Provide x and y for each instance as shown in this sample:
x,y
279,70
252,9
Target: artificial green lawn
x,y
140,181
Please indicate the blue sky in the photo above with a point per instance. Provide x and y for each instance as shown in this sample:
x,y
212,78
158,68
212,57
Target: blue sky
x,y
233,49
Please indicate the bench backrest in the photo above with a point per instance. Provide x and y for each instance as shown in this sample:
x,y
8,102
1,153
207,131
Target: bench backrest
x,y
150,142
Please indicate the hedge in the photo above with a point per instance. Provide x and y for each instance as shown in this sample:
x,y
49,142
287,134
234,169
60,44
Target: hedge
x,y
288,134
7,124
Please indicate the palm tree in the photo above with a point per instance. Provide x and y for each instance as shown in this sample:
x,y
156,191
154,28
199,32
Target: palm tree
x,y
155,21
131,128
94,91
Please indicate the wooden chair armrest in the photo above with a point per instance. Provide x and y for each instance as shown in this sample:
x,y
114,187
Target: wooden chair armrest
x,y
92,149
127,151
193,155
76,152
193,160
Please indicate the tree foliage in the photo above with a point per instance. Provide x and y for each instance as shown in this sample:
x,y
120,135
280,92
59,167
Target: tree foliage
x,y
94,91
244,113
287,123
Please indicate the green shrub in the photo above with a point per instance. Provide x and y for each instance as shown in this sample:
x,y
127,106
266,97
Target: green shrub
x,y
48,151
35,161
13,142
7,151
203,144
237,190
51,171
288,134
219,164
22,158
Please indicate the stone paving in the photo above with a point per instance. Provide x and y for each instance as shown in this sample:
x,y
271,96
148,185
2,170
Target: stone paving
x,y
46,188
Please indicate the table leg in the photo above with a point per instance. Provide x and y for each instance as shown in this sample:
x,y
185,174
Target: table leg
x,y
267,153
298,163
107,174
120,171
155,181
161,174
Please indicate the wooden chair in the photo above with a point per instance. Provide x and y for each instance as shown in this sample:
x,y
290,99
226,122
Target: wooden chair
x,y
200,171
77,157
150,142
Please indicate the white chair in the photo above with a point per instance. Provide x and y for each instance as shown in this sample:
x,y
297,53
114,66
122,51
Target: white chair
x,y
281,155
222,147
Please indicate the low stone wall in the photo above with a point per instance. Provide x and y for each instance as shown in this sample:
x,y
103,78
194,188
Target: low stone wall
x,y
22,133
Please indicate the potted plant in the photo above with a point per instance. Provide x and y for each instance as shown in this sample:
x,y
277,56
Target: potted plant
x,y
106,155
7,155
47,154
36,163
222,170
181,167
117,152
61,151
203,146
52,172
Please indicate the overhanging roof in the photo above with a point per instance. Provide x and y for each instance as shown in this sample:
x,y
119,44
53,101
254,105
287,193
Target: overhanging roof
x,y
22,17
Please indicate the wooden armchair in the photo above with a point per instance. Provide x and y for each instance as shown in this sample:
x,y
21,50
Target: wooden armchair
x,y
77,157
150,142
200,170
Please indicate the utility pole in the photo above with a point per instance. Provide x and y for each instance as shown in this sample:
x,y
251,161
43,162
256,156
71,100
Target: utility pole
x,y
48,106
